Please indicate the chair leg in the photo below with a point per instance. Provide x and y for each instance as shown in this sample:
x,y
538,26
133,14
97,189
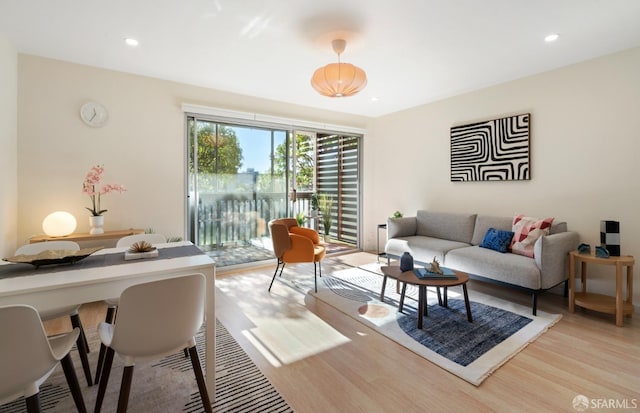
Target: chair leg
x,y
186,352
125,387
110,318
202,386
104,379
85,342
101,355
276,272
315,276
82,348
72,381
274,275
111,315
33,403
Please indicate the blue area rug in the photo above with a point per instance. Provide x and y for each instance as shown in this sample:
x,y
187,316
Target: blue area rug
x,y
472,351
448,333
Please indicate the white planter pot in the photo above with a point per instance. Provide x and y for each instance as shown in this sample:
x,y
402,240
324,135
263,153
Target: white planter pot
x,y
96,224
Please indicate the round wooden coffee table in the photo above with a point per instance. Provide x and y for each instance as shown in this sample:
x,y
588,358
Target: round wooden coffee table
x,y
408,277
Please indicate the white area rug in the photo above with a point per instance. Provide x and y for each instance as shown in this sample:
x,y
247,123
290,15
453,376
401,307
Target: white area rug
x,y
447,338
468,350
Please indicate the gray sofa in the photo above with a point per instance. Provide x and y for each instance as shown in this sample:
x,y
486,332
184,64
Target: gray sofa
x,y
454,240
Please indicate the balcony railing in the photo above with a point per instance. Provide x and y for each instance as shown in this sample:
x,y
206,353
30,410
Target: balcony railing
x,y
241,217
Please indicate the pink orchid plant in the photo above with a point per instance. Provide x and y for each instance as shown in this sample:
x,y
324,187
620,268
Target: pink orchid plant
x,y
91,187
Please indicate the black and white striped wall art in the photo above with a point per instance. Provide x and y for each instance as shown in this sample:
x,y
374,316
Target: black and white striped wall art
x,y
494,150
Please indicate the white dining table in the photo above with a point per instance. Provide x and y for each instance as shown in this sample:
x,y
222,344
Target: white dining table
x,y
74,284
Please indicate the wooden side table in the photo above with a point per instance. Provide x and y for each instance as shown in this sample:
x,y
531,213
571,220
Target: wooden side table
x,y
81,237
599,302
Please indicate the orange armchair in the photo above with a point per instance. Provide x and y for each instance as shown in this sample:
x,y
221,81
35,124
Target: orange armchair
x,y
292,244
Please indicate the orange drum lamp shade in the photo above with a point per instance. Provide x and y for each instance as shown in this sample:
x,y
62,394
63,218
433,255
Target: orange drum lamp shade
x,y
59,224
339,79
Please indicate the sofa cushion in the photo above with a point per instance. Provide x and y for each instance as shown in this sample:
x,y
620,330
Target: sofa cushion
x,y
484,222
526,231
508,268
445,225
497,240
401,227
423,249
558,227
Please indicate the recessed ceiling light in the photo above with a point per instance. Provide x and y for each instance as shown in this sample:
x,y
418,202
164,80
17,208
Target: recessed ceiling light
x,y
551,37
374,99
131,42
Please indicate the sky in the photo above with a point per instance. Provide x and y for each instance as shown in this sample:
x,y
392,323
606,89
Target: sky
x,y
256,147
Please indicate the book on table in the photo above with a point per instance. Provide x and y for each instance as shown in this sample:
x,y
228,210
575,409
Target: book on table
x,y
425,274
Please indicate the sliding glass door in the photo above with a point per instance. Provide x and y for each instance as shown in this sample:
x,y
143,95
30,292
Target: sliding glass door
x,y
235,186
239,177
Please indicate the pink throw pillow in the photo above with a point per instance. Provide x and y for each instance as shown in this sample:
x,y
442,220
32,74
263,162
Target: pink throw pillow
x,y
526,232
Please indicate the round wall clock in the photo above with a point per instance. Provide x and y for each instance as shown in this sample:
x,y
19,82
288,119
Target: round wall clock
x,y
94,114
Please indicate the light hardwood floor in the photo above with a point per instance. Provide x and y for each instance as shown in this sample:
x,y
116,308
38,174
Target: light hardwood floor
x,y
583,354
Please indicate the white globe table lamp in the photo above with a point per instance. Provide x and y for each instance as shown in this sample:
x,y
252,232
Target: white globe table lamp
x,y
59,224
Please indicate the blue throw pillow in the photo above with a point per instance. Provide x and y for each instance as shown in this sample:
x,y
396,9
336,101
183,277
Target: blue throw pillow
x,y
497,240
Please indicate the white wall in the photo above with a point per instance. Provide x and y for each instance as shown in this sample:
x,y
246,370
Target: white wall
x,y
9,145
585,142
141,146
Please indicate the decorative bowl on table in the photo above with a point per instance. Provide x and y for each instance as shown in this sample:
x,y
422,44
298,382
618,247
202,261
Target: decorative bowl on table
x,y
49,257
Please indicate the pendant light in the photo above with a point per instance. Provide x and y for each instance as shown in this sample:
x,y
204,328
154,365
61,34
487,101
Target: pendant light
x,y
339,79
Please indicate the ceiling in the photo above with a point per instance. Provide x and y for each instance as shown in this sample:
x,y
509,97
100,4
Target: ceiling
x,y
414,51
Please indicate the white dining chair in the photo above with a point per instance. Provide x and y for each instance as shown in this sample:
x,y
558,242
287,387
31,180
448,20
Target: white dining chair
x,y
27,357
70,311
112,303
179,302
